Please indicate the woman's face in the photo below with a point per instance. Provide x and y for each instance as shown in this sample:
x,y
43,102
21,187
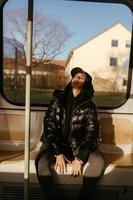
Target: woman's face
x,y
78,80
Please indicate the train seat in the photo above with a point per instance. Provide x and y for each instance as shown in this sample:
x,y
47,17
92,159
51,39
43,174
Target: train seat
x,y
117,147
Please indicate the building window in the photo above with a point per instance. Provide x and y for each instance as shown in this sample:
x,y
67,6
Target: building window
x,y
113,62
126,62
128,44
114,43
124,82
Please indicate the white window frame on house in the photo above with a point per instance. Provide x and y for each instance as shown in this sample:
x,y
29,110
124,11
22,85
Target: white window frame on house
x,y
114,43
113,62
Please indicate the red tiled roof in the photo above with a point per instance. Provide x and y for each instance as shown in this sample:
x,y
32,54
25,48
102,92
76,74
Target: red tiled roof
x,y
61,63
45,65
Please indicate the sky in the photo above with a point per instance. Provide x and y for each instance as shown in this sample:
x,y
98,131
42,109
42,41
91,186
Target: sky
x,y
84,19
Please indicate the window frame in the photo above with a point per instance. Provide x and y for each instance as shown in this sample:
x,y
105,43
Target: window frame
x,y
127,94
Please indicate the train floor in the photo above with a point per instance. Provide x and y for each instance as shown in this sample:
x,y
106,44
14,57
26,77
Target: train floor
x,y
11,191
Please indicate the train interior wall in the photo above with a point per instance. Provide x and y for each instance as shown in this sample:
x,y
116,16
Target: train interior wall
x,y
116,144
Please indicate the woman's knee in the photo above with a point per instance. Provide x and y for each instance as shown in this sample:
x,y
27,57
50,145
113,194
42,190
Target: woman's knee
x,y
95,165
43,165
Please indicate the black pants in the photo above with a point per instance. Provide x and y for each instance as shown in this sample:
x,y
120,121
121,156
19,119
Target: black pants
x,y
92,171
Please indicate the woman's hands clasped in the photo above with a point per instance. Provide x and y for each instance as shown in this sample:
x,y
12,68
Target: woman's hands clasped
x,y
76,168
61,165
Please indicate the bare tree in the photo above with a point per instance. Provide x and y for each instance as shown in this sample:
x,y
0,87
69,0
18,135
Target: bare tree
x,y
49,34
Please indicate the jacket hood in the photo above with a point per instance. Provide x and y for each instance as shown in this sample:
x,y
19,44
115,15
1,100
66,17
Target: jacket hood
x,y
86,93
88,89
58,93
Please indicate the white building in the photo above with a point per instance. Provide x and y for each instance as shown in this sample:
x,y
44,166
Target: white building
x,y
104,56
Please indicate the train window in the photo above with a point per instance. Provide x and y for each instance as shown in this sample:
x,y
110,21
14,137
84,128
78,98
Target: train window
x,y
67,34
14,48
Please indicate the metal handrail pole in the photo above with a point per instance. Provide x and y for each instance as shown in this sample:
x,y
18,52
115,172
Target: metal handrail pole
x,y
28,98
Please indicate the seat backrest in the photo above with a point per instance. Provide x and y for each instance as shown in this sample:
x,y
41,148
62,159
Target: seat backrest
x,y
12,130
116,135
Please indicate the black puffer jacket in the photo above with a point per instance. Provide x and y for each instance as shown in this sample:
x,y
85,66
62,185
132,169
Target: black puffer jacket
x,y
84,125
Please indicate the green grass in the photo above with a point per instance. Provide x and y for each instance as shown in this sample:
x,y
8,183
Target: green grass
x,y
43,96
109,99
38,96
